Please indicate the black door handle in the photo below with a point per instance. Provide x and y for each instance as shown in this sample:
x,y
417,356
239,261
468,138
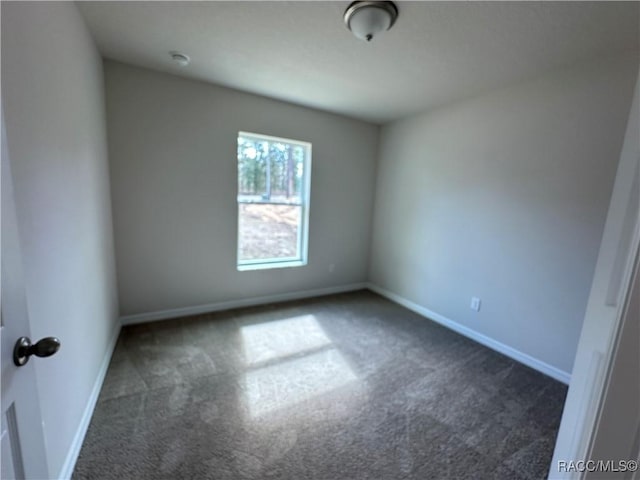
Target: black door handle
x,y
24,349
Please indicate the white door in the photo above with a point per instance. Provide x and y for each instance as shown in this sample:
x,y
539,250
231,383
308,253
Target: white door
x,y
604,320
617,434
23,450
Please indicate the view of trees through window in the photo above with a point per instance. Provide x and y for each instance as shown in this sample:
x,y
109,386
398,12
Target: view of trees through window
x,y
271,182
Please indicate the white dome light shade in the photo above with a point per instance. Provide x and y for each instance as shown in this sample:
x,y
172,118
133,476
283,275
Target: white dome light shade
x,y
367,19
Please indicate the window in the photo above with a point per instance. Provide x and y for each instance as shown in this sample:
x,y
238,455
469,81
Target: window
x,y
273,201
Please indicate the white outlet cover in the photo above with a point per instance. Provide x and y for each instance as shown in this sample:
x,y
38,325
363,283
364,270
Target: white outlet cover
x,y
475,304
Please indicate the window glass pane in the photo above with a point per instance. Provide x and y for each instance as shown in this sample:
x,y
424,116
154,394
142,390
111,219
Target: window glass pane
x,y
268,231
270,171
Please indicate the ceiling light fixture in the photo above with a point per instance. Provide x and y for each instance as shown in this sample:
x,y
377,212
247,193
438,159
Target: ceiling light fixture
x,y
367,19
180,58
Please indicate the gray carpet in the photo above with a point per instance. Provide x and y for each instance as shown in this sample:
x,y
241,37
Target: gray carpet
x,y
349,386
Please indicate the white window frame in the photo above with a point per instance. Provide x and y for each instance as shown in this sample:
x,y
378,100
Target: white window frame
x,y
303,230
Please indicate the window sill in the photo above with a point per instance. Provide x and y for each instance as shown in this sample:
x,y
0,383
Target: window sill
x,y
269,265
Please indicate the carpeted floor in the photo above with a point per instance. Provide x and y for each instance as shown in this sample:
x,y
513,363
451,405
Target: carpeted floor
x,y
343,387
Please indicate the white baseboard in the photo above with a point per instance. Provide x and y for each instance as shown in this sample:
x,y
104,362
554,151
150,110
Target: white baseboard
x,y
517,355
245,302
78,439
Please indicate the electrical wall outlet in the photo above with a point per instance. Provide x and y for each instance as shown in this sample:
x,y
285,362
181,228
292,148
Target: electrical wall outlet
x,y
475,304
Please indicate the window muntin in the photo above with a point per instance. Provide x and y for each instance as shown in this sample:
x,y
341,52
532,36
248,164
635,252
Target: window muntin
x,y
273,200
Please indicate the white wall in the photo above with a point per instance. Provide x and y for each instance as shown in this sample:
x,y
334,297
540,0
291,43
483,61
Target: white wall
x,y
172,146
52,93
504,197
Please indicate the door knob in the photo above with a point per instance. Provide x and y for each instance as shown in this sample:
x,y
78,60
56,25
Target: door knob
x,y
24,349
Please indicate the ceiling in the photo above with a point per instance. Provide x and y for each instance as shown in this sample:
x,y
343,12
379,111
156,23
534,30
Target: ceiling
x,y
301,52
